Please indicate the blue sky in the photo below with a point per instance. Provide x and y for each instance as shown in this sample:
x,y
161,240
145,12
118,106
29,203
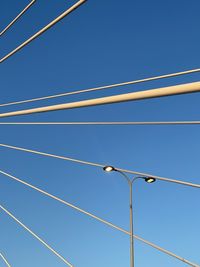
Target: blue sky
x,y
101,43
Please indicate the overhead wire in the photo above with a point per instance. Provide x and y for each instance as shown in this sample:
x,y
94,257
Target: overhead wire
x,y
99,165
5,260
17,17
102,87
36,236
105,123
99,219
141,95
44,29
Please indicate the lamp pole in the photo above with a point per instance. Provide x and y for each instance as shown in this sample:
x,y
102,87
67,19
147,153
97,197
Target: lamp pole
x,y
130,184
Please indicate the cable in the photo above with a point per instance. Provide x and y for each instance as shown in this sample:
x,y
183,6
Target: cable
x,y
52,155
4,259
64,202
141,95
36,236
18,16
106,123
171,254
67,12
99,219
102,87
101,165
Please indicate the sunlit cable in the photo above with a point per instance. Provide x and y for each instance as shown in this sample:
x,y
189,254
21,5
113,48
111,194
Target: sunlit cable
x,y
179,89
64,14
100,165
102,87
17,17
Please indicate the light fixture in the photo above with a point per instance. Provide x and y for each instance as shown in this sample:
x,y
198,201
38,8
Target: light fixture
x,y
150,180
108,168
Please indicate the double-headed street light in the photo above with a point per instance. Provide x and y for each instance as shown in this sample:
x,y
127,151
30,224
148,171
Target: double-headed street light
x,y
130,183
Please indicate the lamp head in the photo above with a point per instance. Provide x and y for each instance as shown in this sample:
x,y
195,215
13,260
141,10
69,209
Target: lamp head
x,y
108,168
150,180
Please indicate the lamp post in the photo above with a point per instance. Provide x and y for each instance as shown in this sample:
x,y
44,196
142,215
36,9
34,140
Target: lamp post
x,y
130,183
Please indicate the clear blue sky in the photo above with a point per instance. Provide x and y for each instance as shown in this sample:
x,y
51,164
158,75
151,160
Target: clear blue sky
x,y
101,43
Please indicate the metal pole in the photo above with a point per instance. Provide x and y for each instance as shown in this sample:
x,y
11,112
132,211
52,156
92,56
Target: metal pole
x,y
153,93
130,183
131,226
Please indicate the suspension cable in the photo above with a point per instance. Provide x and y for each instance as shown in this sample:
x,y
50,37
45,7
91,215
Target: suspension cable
x,y
100,165
105,123
5,260
99,219
102,87
179,89
17,17
36,236
64,202
64,14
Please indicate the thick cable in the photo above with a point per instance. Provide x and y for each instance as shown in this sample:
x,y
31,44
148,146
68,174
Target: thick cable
x,y
102,87
48,26
5,260
17,17
36,236
99,219
106,123
141,95
101,165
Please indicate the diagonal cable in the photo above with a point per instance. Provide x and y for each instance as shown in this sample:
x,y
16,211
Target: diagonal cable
x,y
189,88
99,219
5,260
64,202
52,23
36,236
102,87
100,165
17,17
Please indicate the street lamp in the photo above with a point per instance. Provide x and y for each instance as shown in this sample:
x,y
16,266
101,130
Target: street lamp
x,y
149,180
130,183
109,168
